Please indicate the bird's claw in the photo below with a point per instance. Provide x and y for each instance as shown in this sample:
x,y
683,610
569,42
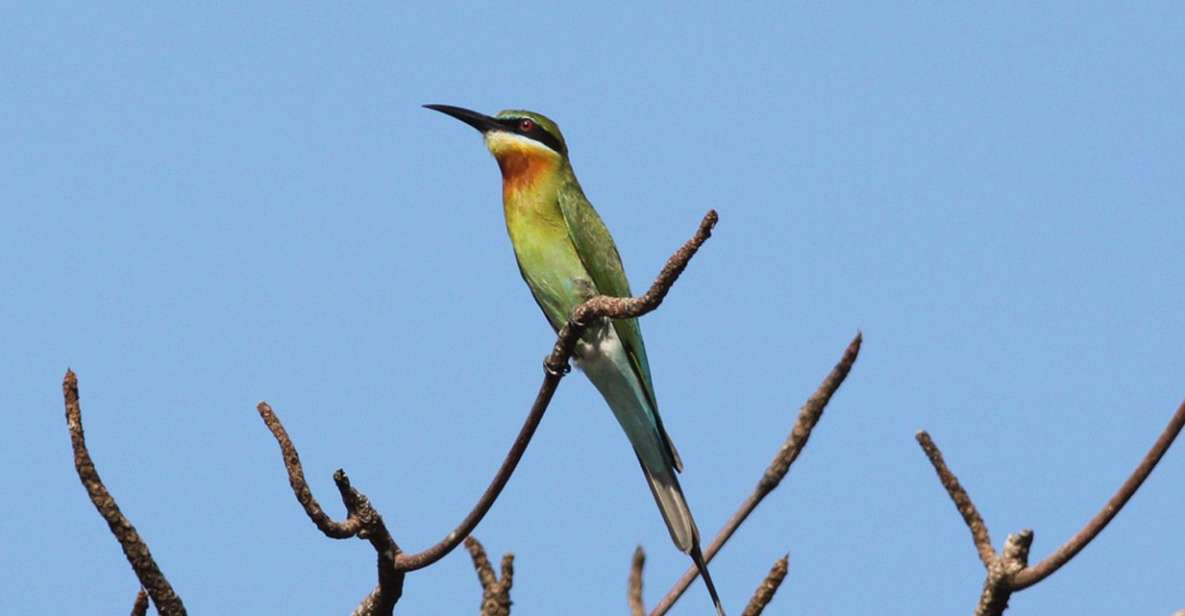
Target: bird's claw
x,y
556,371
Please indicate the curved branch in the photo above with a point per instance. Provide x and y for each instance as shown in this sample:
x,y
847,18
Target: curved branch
x,y
556,366
1031,575
151,579
300,487
434,553
808,418
362,520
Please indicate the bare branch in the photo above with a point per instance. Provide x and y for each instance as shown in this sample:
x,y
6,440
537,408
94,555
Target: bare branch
x,y
556,366
997,588
979,531
1009,572
369,606
134,548
362,520
630,307
808,418
495,592
381,601
1053,562
336,530
634,592
769,586
140,607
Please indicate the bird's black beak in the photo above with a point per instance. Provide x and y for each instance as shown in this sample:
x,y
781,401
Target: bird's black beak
x,y
480,121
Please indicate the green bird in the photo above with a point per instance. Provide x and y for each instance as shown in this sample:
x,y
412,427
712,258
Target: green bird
x,y
566,255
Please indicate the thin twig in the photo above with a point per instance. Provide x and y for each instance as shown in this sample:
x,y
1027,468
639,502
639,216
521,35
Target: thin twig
x,y
634,589
556,366
765,592
140,607
134,548
808,417
630,307
495,591
1042,570
979,531
362,520
336,530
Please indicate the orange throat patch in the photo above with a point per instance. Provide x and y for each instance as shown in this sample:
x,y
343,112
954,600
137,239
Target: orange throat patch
x,y
522,168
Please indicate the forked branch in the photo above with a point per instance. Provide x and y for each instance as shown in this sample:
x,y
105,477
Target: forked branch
x,y
362,521
1009,572
495,590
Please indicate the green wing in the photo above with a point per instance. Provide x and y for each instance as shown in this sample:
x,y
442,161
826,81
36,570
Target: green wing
x,y
601,260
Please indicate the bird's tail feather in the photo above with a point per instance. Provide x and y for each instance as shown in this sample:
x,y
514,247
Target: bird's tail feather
x,y
698,558
675,512
673,506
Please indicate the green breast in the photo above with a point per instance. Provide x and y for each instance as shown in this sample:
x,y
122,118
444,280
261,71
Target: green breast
x,y
546,256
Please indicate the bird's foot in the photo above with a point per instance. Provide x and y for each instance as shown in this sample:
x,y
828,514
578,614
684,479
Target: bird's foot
x,y
554,370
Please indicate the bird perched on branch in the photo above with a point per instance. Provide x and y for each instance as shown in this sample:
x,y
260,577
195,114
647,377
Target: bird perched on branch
x,y
566,256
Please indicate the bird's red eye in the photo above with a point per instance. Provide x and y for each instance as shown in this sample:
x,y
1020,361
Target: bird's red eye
x,y
526,125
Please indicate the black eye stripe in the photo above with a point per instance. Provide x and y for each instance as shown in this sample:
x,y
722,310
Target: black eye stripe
x,y
537,133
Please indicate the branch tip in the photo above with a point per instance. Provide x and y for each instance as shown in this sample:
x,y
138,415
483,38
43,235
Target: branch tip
x,y
362,520
634,587
768,587
495,592
134,548
808,418
958,495
140,606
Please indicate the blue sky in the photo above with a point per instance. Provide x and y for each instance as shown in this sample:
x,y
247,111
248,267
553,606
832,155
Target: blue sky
x,y
206,207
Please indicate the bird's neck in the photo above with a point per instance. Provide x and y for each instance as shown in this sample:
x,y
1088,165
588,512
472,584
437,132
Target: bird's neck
x,y
527,174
